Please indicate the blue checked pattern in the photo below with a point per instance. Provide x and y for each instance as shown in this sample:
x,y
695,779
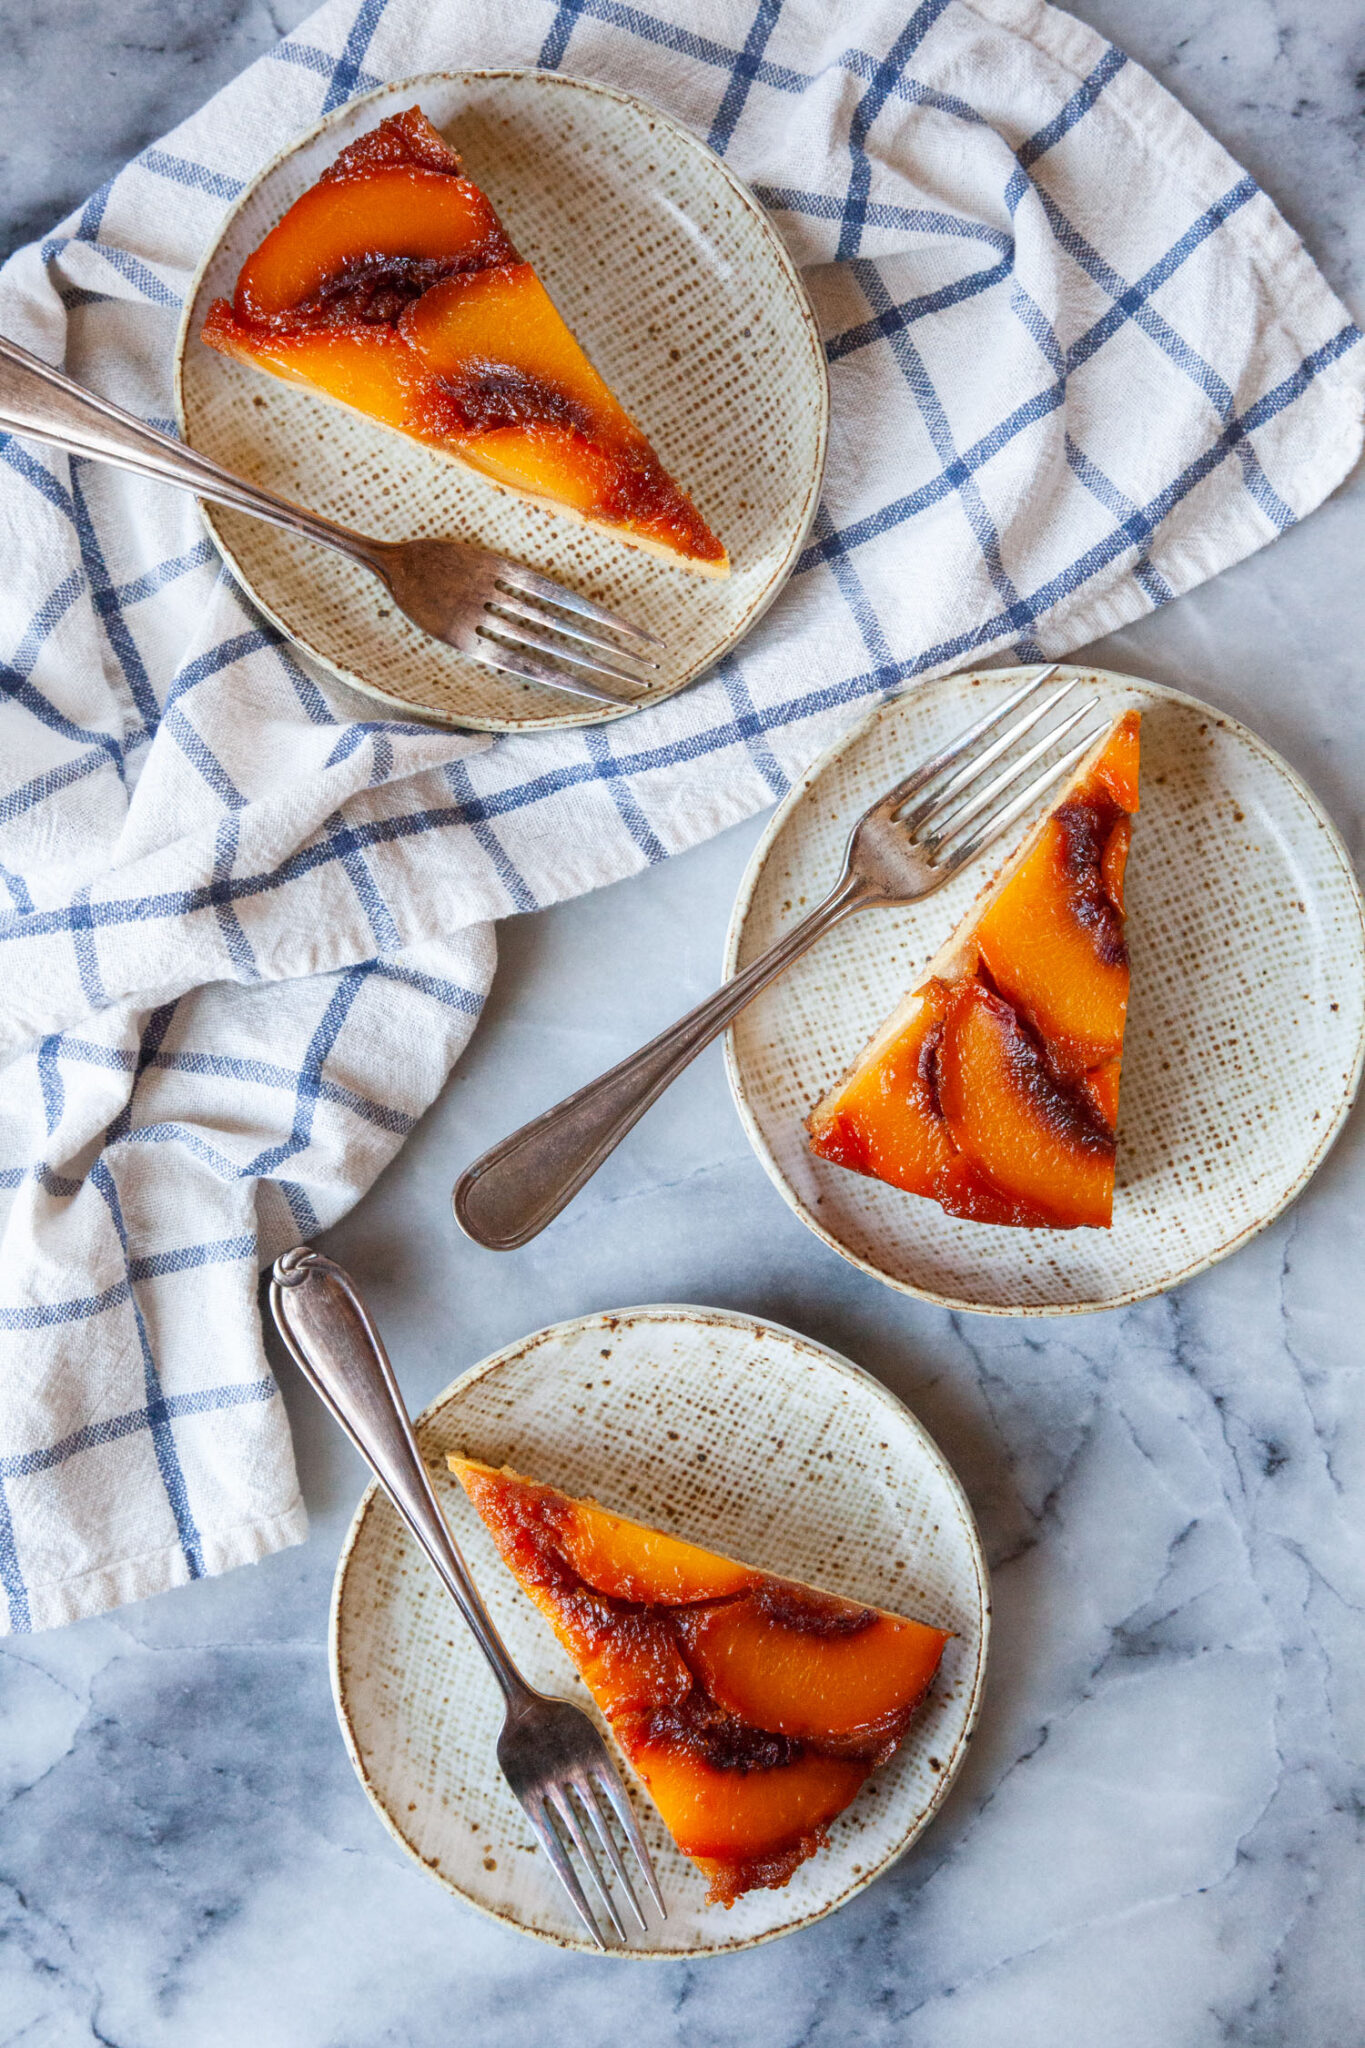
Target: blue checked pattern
x,y
1079,363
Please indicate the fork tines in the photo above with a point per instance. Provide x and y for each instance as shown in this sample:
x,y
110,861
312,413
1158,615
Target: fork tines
x,y
554,1812
541,631
945,805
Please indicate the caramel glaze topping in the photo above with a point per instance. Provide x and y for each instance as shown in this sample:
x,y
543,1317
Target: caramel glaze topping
x,y
531,1525
928,1066
374,291
487,395
1034,1070
403,139
808,1611
641,493
1085,825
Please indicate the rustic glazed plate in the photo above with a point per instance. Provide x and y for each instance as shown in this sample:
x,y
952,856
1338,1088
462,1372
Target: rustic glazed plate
x,y
680,289
735,1433
1246,1023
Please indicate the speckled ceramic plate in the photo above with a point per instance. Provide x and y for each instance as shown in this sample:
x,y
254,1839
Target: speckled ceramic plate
x,y
680,289
1246,1022
737,1434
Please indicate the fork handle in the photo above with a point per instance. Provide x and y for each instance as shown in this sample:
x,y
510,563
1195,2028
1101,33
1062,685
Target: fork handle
x,y
44,404
509,1194
328,1332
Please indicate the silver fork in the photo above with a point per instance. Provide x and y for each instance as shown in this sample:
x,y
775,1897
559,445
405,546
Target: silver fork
x,y
493,610
908,843
551,1755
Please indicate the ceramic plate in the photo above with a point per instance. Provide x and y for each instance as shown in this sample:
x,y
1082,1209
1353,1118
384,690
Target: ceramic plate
x,y
679,287
738,1434
1245,1026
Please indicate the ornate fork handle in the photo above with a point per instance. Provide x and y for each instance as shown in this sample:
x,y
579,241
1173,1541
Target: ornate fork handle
x,y
328,1334
514,1190
37,400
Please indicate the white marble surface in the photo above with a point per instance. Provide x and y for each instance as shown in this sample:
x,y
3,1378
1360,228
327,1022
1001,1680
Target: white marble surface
x,y
1157,1842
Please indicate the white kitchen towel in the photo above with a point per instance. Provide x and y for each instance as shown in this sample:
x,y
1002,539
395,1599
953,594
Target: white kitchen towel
x,y
1079,363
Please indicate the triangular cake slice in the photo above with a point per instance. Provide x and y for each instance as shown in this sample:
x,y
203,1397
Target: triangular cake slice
x,y
752,1707
994,1088
392,287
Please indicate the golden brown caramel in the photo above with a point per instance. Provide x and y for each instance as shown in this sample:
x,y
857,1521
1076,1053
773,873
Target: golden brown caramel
x,y
391,286
752,1707
994,1090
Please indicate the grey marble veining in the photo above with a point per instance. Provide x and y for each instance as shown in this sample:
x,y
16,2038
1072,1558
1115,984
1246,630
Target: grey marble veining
x,y
1157,1841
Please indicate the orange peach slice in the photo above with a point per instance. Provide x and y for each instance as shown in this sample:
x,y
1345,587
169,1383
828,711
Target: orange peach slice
x,y
1102,1088
1032,1138
623,1559
858,1669
1114,860
630,1562
1052,940
513,389
888,1123
732,1816
370,368
502,319
399,214
1116,771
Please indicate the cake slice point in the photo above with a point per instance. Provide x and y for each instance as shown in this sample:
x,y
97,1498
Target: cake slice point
x,y
993,1088
752,1707
392,287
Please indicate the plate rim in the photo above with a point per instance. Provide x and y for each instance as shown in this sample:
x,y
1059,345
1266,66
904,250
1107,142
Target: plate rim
x,y
744,900
685,1312
746,197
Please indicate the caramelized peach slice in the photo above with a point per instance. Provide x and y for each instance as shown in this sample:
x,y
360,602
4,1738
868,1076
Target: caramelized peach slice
x,y
813,1669
630,1562
1102,1087
369,368
397,217
1052,940
513,389
1116,771
1032,1138
887,1121
552,463
625,1560
496,341
1114,860
730,1814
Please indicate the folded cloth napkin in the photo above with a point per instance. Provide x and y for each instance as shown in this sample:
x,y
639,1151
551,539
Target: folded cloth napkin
x,y
1079,363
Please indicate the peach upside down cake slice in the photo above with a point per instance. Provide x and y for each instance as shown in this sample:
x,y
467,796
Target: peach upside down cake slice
x,y
994,1088
391,286
752,1707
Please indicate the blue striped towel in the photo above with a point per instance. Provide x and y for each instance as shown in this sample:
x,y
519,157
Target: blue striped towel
x,y
1079,363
